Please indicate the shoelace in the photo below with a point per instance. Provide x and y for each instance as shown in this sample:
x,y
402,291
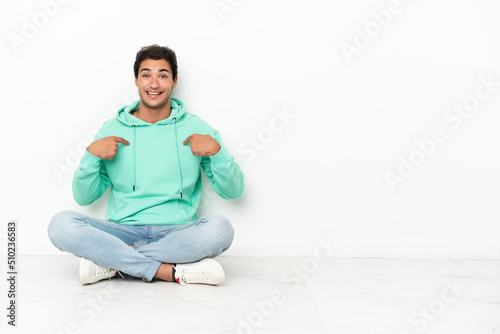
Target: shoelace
x,y
194,275
107,272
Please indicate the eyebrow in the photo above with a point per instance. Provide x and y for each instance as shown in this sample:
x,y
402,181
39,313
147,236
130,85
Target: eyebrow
x,y
161,70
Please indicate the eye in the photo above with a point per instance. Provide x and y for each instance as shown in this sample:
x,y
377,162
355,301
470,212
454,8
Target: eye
x,y
145,75
163,76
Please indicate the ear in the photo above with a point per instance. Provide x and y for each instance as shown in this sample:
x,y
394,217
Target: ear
x,y
136,83
175,82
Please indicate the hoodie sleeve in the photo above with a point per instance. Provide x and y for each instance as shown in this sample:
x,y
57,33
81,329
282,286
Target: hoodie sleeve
x,y
223,172
90,180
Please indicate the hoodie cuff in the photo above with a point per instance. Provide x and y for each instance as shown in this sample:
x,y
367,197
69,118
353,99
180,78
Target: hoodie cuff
x,y
220,158
90,162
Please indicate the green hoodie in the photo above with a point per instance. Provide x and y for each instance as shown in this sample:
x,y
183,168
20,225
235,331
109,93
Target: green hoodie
x,y
156,180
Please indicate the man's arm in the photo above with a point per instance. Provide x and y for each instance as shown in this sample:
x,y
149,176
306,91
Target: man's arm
x,y
219,166
91,179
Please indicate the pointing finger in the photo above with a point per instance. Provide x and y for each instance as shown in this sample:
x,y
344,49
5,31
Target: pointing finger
x,y
121,140
188,139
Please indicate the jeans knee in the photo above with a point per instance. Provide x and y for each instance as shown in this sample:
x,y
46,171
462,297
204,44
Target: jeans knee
x,y
224,228
57,225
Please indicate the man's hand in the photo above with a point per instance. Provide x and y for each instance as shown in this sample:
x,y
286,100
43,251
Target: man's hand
x,y
105,148
202,145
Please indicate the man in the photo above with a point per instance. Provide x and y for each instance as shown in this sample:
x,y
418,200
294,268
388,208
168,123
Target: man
x,y
151,155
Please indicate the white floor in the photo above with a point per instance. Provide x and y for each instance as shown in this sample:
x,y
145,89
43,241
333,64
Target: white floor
x,y
267,295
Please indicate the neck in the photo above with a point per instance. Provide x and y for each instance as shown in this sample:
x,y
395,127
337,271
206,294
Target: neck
x,y
153,115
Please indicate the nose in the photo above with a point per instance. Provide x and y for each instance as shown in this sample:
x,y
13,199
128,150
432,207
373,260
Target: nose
x,y
154,83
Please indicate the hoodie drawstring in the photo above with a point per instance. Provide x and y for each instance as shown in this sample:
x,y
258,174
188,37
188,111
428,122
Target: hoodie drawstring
x,y
178,159
133,187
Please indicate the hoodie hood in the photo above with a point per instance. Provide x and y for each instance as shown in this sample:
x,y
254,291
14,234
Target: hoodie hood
x,y
127,119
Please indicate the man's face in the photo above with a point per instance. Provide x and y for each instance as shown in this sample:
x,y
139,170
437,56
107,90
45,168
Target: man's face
x,y
155,83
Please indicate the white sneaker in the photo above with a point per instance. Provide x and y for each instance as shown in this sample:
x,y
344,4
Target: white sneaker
x,y
206,271
91,272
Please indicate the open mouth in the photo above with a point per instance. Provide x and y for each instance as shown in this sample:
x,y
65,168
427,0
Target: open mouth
x,y
152,94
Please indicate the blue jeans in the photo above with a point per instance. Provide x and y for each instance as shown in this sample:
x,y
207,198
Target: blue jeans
x,y
109,244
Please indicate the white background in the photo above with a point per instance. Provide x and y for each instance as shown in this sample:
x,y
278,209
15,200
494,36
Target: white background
x,y
320,172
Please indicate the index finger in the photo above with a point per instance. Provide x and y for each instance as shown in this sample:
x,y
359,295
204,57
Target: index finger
x,y
188,139
121,140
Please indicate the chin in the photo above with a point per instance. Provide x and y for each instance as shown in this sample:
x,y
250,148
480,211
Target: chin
x,y
154,106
